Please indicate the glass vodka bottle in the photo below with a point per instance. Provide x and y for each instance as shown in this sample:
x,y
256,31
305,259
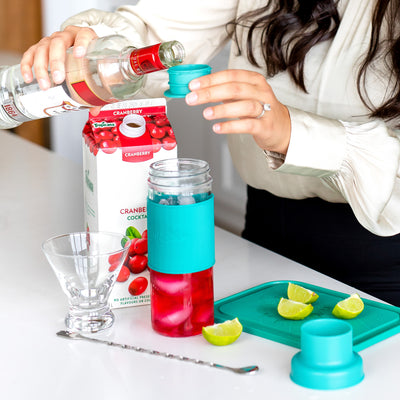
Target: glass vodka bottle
x,y
111,71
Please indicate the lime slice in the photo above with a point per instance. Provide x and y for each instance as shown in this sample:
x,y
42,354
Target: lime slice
x,y
349,308
291,309
224,333
300,294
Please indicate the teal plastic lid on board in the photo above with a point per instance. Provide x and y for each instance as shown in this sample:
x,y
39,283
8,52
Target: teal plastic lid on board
x,y
181,238
256,309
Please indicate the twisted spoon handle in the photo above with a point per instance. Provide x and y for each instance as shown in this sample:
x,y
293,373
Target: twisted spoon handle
x,y
241,370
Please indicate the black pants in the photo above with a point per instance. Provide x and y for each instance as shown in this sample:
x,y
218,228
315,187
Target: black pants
x,y
328,238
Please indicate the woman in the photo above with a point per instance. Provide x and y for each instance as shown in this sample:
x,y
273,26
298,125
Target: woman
x,y
310,105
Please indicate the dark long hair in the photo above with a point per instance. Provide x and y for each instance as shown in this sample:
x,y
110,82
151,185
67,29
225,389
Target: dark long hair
x,y
290,28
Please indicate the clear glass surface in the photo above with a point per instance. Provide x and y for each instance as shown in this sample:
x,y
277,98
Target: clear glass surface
x,y
179,181
87,265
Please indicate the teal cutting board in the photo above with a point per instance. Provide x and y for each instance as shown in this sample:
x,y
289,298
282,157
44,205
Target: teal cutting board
x,y
256,309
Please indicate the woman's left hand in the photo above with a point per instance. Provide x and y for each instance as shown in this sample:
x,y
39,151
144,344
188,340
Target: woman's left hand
x,y
248,103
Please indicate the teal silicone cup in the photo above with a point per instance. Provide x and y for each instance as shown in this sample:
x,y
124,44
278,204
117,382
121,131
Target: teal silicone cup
x,y
327,360
181,238
180,77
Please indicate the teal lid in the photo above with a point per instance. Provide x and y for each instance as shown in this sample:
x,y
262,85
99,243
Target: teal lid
x,y
181,238
180,77
327,360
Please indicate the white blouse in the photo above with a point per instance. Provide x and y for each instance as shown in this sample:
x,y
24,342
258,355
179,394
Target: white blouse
x,y
336,151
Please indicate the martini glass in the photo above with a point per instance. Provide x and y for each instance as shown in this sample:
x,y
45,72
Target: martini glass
x,y
87,265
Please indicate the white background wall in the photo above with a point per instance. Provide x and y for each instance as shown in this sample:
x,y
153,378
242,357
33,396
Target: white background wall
x,y
194,135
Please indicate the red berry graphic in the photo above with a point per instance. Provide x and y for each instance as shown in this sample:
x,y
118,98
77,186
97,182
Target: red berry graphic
x,y
132,250
116,141
87,128
138,263
113,267
161,121
108,146
105,135
169,131
140,246
138,286
123,274
114,258
155,131
92,147
156,145
168,143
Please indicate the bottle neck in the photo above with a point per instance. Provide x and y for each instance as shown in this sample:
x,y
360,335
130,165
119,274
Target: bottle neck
x,y
154,58
146,60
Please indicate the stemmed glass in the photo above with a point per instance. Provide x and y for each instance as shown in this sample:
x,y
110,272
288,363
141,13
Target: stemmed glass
x,y
87,265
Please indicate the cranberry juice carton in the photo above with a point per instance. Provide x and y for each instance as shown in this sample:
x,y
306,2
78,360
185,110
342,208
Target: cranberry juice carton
x,y
119,145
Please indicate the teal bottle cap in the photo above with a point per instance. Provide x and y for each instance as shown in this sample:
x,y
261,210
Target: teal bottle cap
x,y
327,360
180,77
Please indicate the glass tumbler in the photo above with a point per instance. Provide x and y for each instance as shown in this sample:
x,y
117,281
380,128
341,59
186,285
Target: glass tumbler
x,y
181,246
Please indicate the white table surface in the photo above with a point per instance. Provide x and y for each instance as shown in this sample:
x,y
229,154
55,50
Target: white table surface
x,y
40,196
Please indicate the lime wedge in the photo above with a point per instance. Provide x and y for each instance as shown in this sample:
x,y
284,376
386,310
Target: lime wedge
x,y
291,309
224,333
349,308
300,294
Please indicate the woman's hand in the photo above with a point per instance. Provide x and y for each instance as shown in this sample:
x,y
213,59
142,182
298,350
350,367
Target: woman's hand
x,y
243,95
50,51
49,54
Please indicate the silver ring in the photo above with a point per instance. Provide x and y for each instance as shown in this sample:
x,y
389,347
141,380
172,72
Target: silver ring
x,y
265,107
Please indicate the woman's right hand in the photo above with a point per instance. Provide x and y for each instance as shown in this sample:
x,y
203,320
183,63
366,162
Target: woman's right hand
x,y
49,53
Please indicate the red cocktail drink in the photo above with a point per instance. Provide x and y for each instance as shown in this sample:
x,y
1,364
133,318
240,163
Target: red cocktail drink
x,y
181,304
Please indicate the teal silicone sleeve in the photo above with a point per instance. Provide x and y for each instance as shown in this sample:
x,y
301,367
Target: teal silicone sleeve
x,y
181,238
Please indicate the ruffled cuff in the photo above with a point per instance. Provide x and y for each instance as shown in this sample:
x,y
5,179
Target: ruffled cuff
x,y
317,146
369,176
358,160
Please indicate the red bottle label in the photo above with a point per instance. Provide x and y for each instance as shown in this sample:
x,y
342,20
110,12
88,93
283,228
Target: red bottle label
x,y
85,93
146,60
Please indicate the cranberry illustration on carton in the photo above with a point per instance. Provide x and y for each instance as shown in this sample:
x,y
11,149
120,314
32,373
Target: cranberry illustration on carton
x,y
119,145
146,128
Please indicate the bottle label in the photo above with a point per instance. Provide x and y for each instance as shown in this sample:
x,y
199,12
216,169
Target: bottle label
x,y
146,60
49,102
86,94
11,109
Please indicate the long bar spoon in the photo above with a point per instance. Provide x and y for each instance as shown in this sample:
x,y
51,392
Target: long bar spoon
x,y
242,370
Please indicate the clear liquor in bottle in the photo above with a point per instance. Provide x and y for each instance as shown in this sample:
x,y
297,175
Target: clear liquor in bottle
x,y
111,71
